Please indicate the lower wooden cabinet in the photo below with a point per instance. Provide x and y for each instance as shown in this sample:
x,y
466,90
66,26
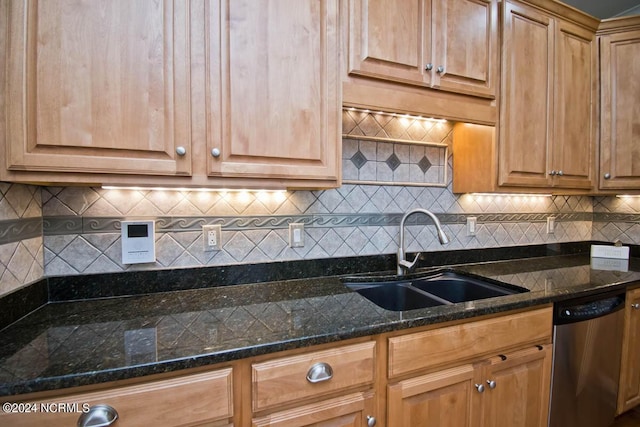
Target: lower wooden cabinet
x,y
629,389
190,400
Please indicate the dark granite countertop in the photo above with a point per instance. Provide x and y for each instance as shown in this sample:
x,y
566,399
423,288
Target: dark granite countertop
x,y
67,344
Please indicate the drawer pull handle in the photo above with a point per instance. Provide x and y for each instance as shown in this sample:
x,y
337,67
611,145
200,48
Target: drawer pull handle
x,y
319,372
98,416
181,151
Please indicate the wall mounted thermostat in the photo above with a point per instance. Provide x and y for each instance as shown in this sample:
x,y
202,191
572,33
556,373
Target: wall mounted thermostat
x,y
138,242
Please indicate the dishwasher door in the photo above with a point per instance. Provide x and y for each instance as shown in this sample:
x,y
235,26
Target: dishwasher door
x,y
586,361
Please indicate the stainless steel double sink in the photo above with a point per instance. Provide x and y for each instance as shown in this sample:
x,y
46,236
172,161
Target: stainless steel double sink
x,y
441,287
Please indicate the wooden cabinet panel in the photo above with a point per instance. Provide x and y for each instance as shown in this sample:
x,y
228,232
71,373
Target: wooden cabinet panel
x,y
390,39
408,41
526,97
347,411
629,390
574,107
522,383
466,44
273,93
98,87
284,380
444,398
620,111
186,401
422,350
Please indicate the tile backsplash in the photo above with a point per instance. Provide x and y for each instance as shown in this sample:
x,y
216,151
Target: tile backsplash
x,y
46,231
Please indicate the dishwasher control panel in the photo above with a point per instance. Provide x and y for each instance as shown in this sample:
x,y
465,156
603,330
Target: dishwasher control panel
x,y
586,308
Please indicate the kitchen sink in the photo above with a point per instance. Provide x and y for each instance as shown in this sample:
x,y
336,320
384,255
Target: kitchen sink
x,y
431,289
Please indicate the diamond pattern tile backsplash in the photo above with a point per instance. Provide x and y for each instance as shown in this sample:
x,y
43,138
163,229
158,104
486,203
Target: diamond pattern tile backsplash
x,y
75,230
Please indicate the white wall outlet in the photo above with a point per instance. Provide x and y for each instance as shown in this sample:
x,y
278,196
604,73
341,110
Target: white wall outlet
x,y
551,224
471,225
212,237
296,234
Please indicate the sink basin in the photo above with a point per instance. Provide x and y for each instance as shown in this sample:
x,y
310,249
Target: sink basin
x,y
428,290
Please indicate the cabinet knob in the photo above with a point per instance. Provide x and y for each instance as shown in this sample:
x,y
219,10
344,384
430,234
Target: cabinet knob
x,y
636,306
440,69
560,173
552,173
429,66
371,421
215,152
607,175
492,384
181,151
320,372
98,416
480,388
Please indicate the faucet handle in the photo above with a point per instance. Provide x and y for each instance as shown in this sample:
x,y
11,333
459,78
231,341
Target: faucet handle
x,y
409,265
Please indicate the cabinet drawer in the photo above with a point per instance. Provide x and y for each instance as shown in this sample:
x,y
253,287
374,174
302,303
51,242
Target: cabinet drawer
x,y
437,347
284,380
190,400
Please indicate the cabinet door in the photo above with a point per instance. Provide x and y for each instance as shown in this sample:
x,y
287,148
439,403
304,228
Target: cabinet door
x,y
620,116
98,87
445,398
353,410
575,106
629,392
517,388
390,39
466,43
526,97
273,104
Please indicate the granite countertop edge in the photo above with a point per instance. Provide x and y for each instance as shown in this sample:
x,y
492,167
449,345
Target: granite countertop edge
x,y
415,318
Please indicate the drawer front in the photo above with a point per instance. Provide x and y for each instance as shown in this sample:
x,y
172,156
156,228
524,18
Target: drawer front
x,y
284,380
190,400
437,347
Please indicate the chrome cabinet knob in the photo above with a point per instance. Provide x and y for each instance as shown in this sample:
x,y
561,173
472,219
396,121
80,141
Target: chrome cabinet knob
x,y
429,66
560,173
181,151
440,69
215,152
635,306
492,384
320,372
552,173
371,421
607,175
98,416
480,388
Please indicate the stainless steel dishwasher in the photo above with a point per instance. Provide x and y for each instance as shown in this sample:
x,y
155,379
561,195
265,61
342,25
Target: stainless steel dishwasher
x,y
586,360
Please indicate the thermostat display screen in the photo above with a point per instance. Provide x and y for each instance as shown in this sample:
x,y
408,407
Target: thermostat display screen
x,y
137,230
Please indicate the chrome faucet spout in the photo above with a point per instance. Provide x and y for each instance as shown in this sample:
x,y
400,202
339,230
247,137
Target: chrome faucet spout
x,y
404,265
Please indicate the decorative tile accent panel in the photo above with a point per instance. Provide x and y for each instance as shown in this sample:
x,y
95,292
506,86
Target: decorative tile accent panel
x,y
390,149
616,218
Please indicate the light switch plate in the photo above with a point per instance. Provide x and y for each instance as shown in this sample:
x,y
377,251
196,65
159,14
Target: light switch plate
x,y
551,224
471,225
296,235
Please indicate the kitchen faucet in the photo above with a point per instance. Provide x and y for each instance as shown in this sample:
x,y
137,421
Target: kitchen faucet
x,y
403,264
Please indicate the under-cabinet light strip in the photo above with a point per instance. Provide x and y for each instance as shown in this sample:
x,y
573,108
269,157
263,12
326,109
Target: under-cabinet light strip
x,y
399,115
508,195
218,190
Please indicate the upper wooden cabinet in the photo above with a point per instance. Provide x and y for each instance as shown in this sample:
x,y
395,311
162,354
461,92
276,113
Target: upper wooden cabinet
x,y
273,105
99,86
620,111
547,123
163,92
546,139
445,44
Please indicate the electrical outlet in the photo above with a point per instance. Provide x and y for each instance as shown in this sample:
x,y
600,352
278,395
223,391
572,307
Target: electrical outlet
x,y
212,236
471,225
296,234
551,224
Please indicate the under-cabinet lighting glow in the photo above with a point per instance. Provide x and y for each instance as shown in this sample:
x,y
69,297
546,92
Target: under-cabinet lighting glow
x,y
218,190
398,115
628,196
508,195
